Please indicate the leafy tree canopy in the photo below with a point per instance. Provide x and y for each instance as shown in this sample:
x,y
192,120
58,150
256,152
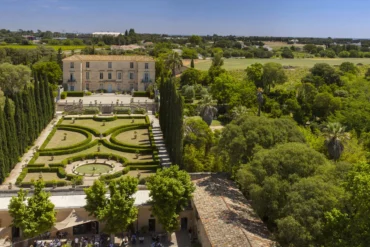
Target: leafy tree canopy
x,y
33,215
117,210
170,190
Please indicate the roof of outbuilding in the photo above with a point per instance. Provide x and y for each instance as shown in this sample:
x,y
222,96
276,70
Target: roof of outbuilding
x,y
109,58
227,216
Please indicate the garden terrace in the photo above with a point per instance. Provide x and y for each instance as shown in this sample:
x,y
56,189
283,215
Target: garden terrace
x,y
124,145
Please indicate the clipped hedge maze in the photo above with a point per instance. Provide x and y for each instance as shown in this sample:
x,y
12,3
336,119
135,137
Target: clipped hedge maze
x,y
99,143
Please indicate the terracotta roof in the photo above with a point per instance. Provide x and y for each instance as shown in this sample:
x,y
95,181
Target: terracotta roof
x,y
108,58
227,216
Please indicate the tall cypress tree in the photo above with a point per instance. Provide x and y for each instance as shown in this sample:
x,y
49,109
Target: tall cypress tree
x,y
34,116
48,104
19,123
29,127
5,161
38,101
11,133
192,63
43,102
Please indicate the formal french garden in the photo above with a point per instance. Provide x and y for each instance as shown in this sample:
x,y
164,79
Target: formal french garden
x,y
110,147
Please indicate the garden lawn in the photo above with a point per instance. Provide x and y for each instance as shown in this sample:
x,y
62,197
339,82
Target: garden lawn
x,y
243,63
73,138
98,126
45,176
131,157
89,168
142,138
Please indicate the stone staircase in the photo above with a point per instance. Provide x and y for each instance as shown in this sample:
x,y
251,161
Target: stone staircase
x,y
159,142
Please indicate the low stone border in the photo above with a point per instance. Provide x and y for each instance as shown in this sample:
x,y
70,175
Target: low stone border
x,y
114,165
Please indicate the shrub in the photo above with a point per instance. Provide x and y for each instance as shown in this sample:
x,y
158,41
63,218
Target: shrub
x,y
77,180
104,119
61,172
142,150
108,177
92,131
75,93
91,110
139,111
122,110
58,183
92,156
141,94
63,95
21,176
35,165
68,151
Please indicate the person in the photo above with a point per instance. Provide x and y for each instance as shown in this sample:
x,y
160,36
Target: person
x,y
141,239
76,242
190,233
133,239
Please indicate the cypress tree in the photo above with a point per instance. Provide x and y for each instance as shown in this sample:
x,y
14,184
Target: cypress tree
x,y
48,105
6,159
34,116
29,127
60,58
43,103
11,133
38,101
192,63
19,124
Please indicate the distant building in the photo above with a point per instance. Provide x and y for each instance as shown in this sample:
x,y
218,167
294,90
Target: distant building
x,y
294,41
115,34
110,73
125,47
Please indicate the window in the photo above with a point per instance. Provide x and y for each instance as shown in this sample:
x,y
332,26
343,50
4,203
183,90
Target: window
x,y
131,65
101,85
87,65
146,76
101,76
109,76
146,65
119,76
118,86
72,65
109,65
87,86
131,76
71,77
87,75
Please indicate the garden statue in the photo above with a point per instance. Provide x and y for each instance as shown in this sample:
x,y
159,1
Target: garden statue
x,y
101,136
135,134
65,136
73,120
99,147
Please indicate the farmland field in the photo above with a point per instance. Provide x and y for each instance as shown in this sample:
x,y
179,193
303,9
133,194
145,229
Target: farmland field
x,y
235,63
55,47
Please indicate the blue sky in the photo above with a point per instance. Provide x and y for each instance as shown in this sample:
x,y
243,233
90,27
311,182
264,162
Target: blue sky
x,y
317,18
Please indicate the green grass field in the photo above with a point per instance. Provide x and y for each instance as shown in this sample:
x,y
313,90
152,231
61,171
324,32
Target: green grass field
x,y
142,137
235,64
55,47
98,126
57,141
93,168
